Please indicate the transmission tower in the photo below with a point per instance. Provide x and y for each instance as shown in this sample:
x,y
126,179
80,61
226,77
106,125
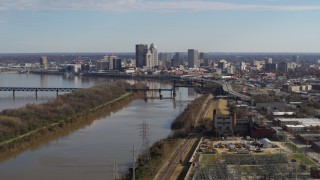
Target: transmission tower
x,y
133,163
144,133
115,171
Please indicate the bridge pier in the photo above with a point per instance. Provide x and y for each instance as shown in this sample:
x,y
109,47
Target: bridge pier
x,y
174,93
14,93
57,92
36,93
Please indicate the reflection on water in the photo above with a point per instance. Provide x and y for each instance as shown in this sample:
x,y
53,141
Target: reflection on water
x,y
88,153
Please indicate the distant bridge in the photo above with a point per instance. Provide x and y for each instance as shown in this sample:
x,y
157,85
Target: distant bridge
x,y
36,89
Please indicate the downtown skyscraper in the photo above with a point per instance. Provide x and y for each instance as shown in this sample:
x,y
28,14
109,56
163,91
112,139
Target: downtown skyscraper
x,y
146,57
141,55
193,58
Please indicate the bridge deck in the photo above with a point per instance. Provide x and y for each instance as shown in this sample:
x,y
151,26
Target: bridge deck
x,y
37,89
146,89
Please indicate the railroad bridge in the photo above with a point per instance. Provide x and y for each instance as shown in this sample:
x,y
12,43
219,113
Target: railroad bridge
x,y
36,89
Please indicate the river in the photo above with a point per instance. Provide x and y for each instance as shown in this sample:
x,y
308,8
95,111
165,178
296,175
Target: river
x,y
89,152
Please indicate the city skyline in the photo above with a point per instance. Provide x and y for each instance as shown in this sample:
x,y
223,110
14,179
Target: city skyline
x,y
36,26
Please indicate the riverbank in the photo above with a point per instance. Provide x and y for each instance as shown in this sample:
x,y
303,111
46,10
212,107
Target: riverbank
x,y
58,127
163,151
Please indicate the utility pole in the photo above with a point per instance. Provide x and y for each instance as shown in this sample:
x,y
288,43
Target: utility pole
x,y
144,133
115,170
134,164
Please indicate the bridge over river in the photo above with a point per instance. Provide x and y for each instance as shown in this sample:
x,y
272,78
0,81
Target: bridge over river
x,y
36,89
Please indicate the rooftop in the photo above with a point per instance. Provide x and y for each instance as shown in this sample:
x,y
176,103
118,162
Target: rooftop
x,y
282,113
221,107
295,126
302,121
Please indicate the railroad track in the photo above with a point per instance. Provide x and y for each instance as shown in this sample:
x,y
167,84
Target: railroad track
x,y
175,158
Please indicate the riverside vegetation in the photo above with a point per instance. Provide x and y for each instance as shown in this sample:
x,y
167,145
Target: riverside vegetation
x,y
161,150
25,126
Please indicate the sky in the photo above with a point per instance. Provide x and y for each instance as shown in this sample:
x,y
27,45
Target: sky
x,y
39,26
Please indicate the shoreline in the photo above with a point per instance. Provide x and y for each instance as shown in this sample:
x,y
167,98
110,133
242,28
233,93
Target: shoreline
x,y
167,146
14,146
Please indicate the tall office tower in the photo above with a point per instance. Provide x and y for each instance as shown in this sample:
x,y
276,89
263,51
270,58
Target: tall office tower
x,y
268,61
165,56
116,64
107,63
283,67
270,67
296,59
193,58
243,66
205,58
178,59
141,55
102,65
44,62
111,60
154,55
149,60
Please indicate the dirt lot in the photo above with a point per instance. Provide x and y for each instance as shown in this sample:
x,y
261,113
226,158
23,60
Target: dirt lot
x,y
238,146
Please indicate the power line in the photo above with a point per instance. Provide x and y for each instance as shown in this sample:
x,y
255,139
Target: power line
x,y
115,170
144,133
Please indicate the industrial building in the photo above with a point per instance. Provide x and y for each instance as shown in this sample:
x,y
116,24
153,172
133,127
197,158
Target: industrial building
x,y
223,120
292,122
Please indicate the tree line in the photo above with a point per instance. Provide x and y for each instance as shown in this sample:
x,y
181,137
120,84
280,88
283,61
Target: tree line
x,y
15,122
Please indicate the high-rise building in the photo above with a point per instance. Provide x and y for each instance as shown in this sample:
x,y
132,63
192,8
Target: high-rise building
x,y
116,64
283,67
205,58
102,65
154,55
177,59
270,67
108,63
44,62
141,55
243,66
149,59
165,56
146,56
296,59
193,58
268,61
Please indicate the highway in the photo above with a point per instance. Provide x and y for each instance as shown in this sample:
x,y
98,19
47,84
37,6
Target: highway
x,y
228,88
225,85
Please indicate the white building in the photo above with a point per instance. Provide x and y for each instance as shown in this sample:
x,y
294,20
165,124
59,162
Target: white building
x,y
295,128
266,143
306,122
152,57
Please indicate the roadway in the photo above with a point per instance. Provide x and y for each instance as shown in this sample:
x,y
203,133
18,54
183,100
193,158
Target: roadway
x,y
227,87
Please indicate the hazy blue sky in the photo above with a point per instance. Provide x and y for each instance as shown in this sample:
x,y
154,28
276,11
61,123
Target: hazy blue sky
x,y
176,25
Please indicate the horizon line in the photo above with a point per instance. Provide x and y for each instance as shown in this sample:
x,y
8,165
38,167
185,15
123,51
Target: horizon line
x,y
110,52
